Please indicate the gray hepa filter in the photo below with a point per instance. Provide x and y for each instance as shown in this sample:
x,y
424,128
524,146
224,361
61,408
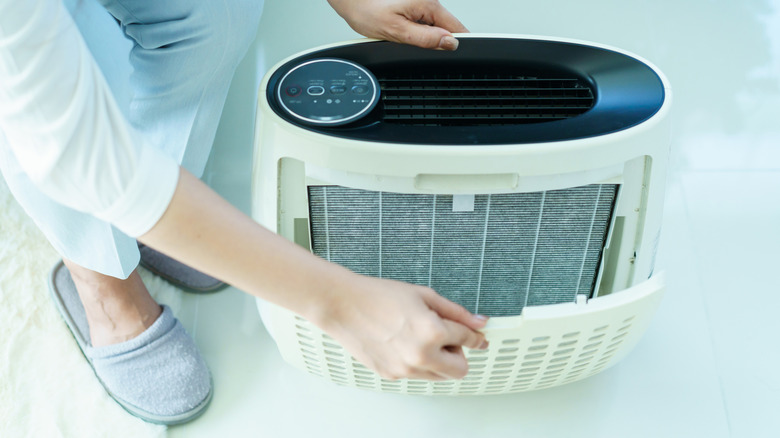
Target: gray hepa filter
x,y
511,251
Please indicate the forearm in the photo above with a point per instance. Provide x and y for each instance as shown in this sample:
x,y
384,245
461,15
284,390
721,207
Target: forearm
x,y
397,329
204,231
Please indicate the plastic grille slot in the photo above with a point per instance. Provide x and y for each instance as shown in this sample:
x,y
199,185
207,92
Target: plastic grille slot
x,y
511,364
482,99
511,251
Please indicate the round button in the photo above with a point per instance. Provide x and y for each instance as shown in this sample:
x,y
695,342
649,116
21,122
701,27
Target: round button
x,y
360,89
315,90
293,90
338,89
327,92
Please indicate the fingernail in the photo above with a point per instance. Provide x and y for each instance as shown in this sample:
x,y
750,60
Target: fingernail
x,y
484,345
481,317
448,43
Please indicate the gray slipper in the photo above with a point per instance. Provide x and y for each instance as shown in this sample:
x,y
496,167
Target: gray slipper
x,y
178,274
158,376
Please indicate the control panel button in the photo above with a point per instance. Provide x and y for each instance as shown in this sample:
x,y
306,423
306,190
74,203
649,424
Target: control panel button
x,y
293,90
327,92
360,89
315,90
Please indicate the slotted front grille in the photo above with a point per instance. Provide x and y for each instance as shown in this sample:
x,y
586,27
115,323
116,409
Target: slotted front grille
x,y
481,99
510,251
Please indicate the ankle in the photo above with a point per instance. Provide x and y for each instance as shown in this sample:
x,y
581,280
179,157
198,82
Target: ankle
x,y
117,310
113,321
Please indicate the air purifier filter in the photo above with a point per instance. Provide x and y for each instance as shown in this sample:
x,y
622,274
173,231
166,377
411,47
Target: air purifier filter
x,y
521,177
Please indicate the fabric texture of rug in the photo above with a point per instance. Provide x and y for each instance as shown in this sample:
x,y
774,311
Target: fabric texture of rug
x,y
47,388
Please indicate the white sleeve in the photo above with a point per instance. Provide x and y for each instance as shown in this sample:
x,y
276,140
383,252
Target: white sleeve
x,y
65,128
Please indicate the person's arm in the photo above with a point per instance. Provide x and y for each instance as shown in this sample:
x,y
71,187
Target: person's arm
x,y
69,136
423,23
398,329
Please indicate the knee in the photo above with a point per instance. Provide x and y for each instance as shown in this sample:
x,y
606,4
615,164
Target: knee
x,y
233,26
197,30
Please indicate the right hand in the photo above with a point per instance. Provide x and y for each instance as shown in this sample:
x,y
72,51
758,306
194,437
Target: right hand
x,y
422,23
403,330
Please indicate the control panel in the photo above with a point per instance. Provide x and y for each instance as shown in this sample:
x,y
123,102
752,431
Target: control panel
x,y
328,92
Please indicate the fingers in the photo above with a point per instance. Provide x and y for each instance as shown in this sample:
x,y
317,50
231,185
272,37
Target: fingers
x,y
442,355
451,361
459,335
433,350
452,364
448,360
455,312
402,330
416,374
429,27
423,23
459,330
445,20
406,31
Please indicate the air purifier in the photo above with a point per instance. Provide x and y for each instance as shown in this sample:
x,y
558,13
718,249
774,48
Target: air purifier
x,y
521,177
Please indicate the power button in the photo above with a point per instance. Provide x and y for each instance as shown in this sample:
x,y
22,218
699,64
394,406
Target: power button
x,y
293,90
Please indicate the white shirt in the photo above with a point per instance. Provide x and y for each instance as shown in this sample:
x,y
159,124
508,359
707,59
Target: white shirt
x,y
65,128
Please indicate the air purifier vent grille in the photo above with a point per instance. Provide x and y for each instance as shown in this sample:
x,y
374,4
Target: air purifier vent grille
x,y
510,251
482,99
511,364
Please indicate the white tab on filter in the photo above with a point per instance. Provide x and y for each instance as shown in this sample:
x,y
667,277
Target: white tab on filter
x,y
463,202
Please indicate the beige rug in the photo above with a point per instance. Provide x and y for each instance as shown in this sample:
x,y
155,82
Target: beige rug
x,y
47,389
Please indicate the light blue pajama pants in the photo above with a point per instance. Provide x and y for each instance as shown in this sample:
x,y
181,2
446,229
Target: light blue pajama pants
x,y
182,57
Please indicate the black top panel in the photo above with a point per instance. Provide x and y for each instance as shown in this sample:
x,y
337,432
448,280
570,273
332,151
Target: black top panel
x,y
527,91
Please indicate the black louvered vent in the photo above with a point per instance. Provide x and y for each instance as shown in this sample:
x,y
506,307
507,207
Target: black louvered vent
x,y
481,99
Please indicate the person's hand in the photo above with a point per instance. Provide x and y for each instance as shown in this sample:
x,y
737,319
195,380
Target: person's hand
x,y
402,330
423,23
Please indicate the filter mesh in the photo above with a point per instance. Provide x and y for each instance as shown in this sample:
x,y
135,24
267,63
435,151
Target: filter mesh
x,y
511,251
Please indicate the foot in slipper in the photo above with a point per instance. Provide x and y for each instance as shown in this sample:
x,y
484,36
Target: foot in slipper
x,y
158,376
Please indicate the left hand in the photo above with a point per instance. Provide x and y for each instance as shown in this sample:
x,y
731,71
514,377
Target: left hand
x,y
423,23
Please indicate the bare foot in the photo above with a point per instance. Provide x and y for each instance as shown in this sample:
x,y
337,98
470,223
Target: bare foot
x,y
117,310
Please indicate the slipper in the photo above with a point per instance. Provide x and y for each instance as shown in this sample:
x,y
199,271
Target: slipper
x,y
177,273
158,376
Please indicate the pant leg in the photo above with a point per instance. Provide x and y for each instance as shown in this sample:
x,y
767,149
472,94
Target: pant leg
x,y
80,237
183,55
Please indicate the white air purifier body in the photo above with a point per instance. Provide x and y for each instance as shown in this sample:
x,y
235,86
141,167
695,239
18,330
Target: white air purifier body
x,y
520,176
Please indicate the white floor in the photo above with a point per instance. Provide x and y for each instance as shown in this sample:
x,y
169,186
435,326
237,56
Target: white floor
x,y
708,365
